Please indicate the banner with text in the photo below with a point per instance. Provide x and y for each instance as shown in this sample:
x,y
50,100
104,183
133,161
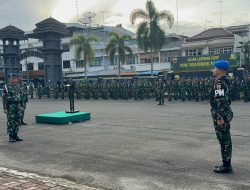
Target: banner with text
x,y
205,62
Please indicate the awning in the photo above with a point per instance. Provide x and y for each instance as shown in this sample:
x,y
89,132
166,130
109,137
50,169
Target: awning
x,y
155,72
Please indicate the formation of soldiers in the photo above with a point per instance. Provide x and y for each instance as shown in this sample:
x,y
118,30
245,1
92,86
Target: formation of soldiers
x,y
139,89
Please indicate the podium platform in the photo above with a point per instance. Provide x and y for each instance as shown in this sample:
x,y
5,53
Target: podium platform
x,y
61,118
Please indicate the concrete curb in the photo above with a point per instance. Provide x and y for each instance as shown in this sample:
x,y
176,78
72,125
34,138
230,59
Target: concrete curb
x,y
58,181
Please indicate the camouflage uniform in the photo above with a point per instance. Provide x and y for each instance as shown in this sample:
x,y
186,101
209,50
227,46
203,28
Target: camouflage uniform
x,y
47,89
221,110
39,90
160,92
12,99
24,97
31,90
56,91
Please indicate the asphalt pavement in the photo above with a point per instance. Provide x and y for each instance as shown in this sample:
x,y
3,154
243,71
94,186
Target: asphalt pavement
x,y
130,145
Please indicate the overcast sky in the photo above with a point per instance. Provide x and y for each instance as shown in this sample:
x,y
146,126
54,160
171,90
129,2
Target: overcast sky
x,y
194,15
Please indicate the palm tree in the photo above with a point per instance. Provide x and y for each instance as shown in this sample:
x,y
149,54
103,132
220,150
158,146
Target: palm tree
x,y
246,51
117,45
149,34
84,49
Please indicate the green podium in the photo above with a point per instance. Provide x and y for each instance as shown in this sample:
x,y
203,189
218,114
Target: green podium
x,y
61,118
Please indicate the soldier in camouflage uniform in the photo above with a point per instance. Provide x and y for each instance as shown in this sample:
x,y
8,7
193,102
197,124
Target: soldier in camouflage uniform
x,y
189,89
222,114
196,89
31,90
169,89
160,92
62,90
47,89
246,89
56,90
203,89
135,90
39,90
176,89
12,107
24,96
183,90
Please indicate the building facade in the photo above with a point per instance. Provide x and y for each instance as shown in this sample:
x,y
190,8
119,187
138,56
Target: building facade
x,y
199,52
138,63
215,41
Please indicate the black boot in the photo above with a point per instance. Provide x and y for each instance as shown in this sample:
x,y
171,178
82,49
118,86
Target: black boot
x,y
12,139
23,123
17,138
224,168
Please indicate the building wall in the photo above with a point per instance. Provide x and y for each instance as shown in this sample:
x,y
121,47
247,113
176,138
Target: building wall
x,y
203,47
139,61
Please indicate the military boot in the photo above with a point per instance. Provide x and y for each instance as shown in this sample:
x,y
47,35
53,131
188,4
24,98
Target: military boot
x,y
12,139
223,168
23,123
17,138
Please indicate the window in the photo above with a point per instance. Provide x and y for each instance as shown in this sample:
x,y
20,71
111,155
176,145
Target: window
x,y
30,66
130,60
66,64
148,60
97,62
225,50
213,51
116,61
40,66
228,50
194,52
79,64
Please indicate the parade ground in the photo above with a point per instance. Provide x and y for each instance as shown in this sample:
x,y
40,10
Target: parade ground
x,y
129,145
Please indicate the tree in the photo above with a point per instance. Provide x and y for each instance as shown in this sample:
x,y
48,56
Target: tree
x,y
117,46
246,51
149,34
84,49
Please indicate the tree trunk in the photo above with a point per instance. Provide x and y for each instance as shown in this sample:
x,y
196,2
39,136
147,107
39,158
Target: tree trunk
x,y
85,66
85,69
119,66
152,60
119,69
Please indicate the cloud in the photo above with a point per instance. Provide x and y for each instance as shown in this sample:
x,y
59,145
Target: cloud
x,y
25,13
193,14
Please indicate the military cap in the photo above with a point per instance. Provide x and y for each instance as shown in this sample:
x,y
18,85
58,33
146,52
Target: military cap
x,y
221,64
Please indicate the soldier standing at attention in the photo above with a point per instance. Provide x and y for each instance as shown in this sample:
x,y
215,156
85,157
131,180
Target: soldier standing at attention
x,y
39,90
222,114
47,89
160,92
12,107
24,96
31,90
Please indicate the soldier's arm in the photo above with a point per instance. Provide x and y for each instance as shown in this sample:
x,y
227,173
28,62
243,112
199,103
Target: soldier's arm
x,y
4,97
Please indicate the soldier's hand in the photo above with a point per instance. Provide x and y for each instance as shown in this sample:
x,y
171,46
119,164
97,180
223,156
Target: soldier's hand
x,y
220,122
4,110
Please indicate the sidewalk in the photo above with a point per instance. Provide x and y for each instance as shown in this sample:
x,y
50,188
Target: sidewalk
x,y
14,180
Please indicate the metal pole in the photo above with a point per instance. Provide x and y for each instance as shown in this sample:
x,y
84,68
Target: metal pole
x,y
220,13
177,16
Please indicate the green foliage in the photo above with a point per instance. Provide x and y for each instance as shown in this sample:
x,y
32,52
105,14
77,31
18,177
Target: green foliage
x,y
117,45
149,34
84,49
